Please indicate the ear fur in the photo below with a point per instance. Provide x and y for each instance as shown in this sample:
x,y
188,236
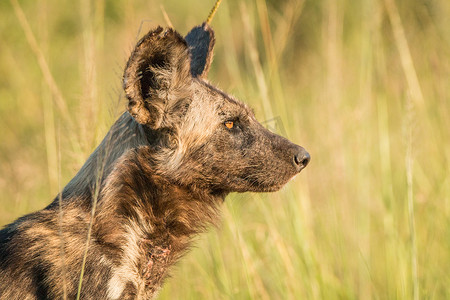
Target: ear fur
x,y
158,69
201,45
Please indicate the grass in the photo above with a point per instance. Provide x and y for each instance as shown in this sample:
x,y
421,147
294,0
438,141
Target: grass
x,y
363,86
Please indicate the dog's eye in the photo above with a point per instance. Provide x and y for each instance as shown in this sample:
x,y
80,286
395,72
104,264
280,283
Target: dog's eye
x,y
229,124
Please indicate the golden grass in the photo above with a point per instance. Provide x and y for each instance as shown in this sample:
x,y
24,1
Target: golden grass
x,y
364,86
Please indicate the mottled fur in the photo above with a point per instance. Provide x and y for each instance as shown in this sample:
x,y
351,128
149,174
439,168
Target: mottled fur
x,y
157,179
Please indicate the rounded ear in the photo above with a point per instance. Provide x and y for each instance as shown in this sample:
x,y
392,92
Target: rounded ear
x,y
201,45
158,68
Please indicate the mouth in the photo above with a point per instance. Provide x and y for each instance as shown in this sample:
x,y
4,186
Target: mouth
x,y
269,186
266,179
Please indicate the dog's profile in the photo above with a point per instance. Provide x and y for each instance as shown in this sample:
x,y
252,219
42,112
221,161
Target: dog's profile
x,y
157,179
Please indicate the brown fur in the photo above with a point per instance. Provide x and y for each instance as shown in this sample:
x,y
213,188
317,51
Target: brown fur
x,y
157,179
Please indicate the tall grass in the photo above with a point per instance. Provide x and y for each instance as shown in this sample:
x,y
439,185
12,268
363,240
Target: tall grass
x,y
364,86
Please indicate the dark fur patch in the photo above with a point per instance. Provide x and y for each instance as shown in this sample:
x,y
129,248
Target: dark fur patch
x,y
201,43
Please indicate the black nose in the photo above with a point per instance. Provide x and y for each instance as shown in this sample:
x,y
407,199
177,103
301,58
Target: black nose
x,y
301,159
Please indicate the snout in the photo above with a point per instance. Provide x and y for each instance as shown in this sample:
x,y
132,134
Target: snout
x,y
301,158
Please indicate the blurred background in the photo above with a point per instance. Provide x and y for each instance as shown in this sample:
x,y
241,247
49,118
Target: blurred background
x,y
364,86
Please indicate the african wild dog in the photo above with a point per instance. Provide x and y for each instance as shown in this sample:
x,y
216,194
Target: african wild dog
x,y
157,179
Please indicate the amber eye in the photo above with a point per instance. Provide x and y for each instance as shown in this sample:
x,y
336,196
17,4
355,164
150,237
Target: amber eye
x,y
229,124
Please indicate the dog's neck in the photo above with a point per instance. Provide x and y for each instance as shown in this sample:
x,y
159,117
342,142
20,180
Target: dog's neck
x,y
148,222
125,134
